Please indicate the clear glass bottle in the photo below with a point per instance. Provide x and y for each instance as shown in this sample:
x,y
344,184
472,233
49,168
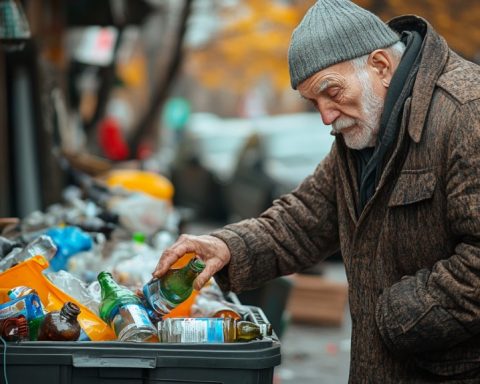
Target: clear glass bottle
x,y
173,288
207,330
123,310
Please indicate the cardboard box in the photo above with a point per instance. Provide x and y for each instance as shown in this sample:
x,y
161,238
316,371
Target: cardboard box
x,y
317,300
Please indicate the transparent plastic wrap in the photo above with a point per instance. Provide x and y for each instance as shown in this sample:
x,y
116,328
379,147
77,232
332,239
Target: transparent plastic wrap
x,y
140,212
131,262
74,287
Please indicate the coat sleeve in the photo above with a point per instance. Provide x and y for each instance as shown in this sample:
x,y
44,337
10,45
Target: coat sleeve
x,y
298,230
439,308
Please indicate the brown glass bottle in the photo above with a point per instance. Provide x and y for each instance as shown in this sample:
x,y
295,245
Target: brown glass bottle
x,y
61,325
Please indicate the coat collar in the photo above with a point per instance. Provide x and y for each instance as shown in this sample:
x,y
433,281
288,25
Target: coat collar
x,y
434,57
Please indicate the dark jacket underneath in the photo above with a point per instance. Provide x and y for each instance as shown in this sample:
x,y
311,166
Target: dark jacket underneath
x,y
412,258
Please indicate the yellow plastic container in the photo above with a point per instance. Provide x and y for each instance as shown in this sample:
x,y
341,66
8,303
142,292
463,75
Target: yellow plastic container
x,y
150,183
29,273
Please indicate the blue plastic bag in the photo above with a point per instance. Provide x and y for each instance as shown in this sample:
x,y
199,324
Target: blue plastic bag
x,y
69,241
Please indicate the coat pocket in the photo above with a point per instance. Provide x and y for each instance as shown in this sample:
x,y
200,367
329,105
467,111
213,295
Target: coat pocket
x,y
412,187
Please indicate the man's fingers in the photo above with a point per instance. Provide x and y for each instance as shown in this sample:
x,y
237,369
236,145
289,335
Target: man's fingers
x,y
204,276
170,256
200,281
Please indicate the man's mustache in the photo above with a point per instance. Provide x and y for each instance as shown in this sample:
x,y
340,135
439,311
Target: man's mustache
x,y
342,123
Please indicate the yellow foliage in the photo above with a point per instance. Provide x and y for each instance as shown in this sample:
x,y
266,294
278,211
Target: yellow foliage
x,y
251,47
133,73
253,44
456,20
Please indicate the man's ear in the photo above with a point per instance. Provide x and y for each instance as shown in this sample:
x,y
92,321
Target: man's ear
x,y
382,65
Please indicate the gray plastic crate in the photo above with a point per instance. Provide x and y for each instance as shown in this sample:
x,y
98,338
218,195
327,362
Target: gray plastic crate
x,y
142,363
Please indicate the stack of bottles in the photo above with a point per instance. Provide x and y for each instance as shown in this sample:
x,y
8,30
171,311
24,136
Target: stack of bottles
x,y
215,320
24,318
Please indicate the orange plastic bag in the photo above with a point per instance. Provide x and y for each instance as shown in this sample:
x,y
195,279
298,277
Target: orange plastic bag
x,y
29,273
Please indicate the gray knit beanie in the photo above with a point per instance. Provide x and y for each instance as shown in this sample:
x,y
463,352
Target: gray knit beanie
x,y
333,31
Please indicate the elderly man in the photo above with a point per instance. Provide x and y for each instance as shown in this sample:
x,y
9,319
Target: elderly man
x,y
398,194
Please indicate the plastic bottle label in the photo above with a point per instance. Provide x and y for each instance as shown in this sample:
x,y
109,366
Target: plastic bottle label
x,y
130,316
29,306
202,331
154,297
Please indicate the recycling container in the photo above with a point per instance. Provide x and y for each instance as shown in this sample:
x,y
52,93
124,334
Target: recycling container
x,y
114,362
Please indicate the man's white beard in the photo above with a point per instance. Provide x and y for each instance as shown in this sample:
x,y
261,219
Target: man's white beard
x,y
365,134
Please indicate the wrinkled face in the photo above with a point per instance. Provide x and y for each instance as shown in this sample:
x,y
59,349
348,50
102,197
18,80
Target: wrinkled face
x,y
348,99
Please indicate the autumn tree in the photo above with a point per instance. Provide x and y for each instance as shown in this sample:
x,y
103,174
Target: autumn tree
x,y
253,40
251,44
458,21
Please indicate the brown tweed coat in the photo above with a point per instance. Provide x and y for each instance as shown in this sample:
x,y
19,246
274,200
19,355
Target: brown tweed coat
x,y
413,256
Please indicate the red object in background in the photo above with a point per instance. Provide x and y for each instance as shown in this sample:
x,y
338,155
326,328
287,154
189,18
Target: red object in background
x,y
144,150
111,140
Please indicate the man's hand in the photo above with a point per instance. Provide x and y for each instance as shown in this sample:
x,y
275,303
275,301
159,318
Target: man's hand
x,y
211,250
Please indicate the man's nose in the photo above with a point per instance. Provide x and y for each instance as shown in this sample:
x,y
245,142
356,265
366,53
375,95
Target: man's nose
x,y
329,113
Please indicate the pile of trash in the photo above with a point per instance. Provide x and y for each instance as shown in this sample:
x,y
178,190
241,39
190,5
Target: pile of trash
x,y
81,271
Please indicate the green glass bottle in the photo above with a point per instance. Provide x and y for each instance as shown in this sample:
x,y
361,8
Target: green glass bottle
x,y
34,327
123,310
207,330
173,288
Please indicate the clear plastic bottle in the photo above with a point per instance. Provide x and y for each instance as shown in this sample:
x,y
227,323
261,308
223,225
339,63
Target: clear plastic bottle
x,y
42,245
123,310
207,330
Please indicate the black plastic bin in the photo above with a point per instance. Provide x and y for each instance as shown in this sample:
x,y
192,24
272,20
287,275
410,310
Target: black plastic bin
x,y
142,363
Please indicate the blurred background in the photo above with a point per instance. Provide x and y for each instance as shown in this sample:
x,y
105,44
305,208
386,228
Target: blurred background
x,y
197,91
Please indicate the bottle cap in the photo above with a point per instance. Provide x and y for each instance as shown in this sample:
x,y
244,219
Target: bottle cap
x,y
138,237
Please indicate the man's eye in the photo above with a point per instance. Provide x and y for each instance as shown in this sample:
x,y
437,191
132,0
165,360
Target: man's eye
x,y
333,92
